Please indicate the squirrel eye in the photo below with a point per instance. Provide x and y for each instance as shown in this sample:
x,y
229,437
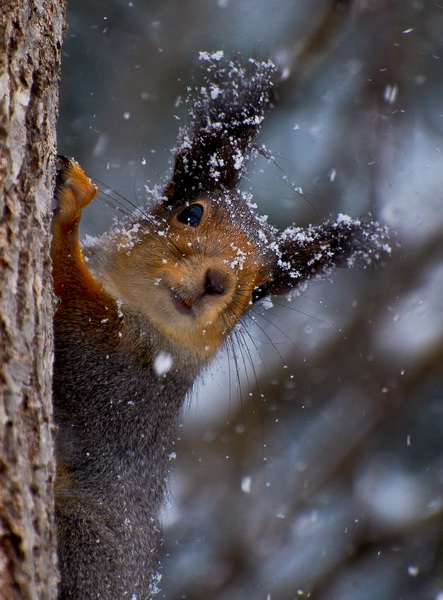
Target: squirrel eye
x,y
191,215
260,292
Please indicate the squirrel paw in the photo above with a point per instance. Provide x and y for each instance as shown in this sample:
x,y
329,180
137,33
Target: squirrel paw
x,y
74,191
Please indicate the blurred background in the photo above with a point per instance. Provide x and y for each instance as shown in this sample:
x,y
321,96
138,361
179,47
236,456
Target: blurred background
x,y
310,458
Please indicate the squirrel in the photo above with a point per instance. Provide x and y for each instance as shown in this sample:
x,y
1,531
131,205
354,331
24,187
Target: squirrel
x,y
142,312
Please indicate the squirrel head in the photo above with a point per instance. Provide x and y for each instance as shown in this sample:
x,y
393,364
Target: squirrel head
x,y
192,270
202,257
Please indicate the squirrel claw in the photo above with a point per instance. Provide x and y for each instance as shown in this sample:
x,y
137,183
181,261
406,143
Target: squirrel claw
x,y
62,164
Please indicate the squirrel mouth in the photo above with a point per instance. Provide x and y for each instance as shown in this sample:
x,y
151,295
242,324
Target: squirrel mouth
x,y
182,305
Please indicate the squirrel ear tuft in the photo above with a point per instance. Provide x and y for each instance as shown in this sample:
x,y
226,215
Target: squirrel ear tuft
x,y
226,115
306,254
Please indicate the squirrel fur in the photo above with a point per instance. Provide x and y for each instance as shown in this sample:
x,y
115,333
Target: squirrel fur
x,y
145,310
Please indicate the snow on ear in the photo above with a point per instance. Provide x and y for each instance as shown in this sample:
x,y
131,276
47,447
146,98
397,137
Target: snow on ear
x,y
306,254
225,116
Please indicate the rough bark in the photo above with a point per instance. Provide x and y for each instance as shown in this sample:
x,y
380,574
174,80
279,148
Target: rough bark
x,y
30,44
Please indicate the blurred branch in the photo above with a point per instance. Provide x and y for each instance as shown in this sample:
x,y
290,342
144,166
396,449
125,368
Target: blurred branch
x,y
322,35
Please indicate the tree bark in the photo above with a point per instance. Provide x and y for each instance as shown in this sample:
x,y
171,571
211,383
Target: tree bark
x,y
30,50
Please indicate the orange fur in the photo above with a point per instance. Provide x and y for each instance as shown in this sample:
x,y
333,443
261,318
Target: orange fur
x,y
68,265
165,264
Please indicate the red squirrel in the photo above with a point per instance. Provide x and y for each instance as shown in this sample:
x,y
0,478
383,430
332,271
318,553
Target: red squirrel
x,y
142,312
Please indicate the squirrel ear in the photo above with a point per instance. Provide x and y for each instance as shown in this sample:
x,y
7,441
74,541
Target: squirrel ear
x,y
225,116
306,254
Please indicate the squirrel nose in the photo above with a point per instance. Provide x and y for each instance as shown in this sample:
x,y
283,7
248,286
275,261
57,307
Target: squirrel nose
x,y
215,283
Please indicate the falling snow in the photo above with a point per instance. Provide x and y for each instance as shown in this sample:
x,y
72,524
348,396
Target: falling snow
x,y
163,363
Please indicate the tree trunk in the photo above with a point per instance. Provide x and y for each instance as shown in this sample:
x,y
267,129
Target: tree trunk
x,y
30,43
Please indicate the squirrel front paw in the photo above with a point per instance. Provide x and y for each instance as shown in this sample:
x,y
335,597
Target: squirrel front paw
x,y
74,190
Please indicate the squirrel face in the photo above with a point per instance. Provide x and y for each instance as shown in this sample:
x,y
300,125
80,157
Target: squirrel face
x,y
193,271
